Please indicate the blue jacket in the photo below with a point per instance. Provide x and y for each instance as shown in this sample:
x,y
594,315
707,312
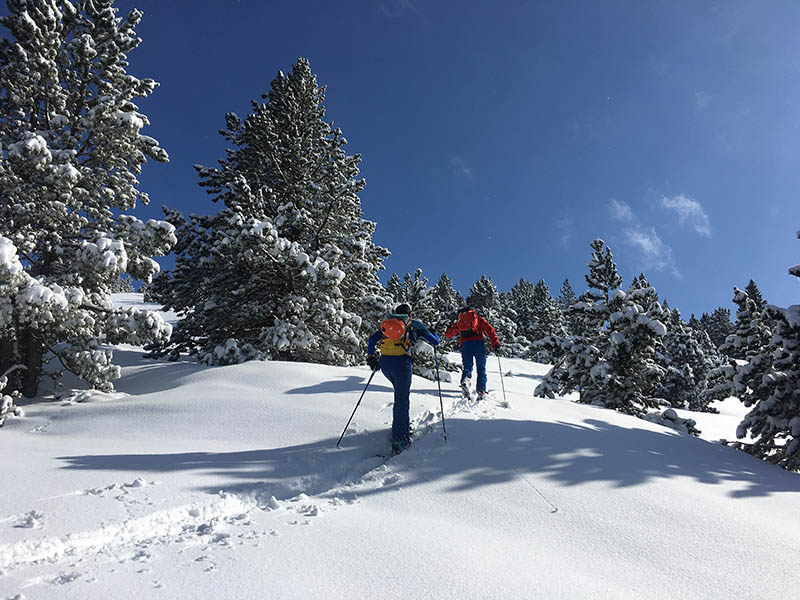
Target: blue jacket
x,y
416,330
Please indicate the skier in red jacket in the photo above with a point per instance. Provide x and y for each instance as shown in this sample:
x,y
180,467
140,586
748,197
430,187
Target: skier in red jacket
x,y
471,328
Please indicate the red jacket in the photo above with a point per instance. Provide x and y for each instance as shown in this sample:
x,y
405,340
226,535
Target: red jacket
x,y
483,329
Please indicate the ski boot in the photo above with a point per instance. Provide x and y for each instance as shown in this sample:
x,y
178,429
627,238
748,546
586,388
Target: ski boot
x,y
465,389
399,445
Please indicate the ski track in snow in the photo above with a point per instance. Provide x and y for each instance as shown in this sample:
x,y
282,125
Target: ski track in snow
x,y
211,523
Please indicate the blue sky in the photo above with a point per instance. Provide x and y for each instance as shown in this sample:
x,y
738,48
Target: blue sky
x,y
501,138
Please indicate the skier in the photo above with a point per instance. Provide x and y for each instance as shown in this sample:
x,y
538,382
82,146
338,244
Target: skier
x,y
471,328
396,338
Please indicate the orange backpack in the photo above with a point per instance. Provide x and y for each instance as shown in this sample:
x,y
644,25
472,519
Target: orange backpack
x,y
394,328
467,321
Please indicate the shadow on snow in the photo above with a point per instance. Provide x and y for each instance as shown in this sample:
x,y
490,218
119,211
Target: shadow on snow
x,y
479,453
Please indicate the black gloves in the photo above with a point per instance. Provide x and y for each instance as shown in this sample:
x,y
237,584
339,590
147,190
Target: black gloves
x,y
373,362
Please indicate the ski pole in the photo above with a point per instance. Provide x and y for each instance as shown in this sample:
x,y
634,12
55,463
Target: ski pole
x,y
439,382
499,366
356,408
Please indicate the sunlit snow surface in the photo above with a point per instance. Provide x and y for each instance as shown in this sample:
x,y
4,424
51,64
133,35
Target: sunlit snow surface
x,y
199,482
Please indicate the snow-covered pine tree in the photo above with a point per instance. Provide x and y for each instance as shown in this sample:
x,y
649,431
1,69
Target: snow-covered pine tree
x,y
444,301
749,342
521,300
645,294
485,299
578,358
752,331
288,269
565,300
614,363
635,331
602,280
122,285
519,346
412,290
770,383
687,365
546,320
754,293
718,325
394,288
72,148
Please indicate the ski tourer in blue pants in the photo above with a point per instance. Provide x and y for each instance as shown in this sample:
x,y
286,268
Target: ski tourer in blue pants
x,y
471,330
396,364
474,351
397,370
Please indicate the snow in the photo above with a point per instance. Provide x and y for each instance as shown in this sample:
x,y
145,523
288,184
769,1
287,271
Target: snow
x,y
200,482
40,294
9,261
31,146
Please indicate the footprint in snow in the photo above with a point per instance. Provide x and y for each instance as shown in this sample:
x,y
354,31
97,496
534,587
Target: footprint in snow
x,y
65,578
142,556
308,510
32,520
392,479
118,487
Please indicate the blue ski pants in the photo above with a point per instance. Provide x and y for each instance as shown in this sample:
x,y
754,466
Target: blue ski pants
x,y
474,350
397,370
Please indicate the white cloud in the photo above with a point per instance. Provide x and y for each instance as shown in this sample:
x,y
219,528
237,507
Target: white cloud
x,y
621,211
690,212
460,167
567,227
656,255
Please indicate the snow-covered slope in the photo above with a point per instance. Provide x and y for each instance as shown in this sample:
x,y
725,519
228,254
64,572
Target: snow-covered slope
x,y
197,482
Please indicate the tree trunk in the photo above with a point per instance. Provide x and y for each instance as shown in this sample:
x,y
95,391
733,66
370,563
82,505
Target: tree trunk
x,y
8,358
33,354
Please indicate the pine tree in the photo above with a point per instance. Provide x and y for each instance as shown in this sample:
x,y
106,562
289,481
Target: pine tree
x,y
288,269
443,302
614,363
687,364
72,149
753,332
565,300
718,325
635,331
521,300
754,293
411,290
547,319
770,383
567,296
122,285
748,342
515,344
579,362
